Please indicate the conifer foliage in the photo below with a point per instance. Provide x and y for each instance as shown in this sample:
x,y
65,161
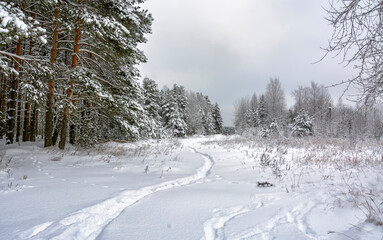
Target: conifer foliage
x,y
217,119
68,72
172,113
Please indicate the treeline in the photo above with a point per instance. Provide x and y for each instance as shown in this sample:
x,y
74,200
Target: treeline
x,y
175,112
313,113
68,74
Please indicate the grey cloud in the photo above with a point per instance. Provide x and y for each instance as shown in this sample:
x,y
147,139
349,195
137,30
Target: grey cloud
x,y
230,48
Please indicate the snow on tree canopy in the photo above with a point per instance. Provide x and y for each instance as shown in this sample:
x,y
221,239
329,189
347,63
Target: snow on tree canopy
x,y
302,124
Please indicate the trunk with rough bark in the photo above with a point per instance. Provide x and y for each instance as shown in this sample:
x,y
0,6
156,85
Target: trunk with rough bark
x,y
27,114
19,106
19,97
27,123
13,97
51,83
69,92
72,133
34,124
56,131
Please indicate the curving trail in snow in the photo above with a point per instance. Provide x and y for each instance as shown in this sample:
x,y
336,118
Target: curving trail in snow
x,y
89,222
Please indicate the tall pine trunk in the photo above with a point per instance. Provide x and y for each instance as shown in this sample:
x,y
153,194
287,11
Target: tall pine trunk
x,y
27,114
51,83
27,123
13,96
72,133
56,131
69,92
34,124
19,96
19,106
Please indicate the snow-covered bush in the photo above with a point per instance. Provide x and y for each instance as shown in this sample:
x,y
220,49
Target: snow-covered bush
x,y
302,125
270,131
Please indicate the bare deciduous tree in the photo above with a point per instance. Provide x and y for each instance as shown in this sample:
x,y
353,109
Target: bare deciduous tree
x,y
358,37
275,100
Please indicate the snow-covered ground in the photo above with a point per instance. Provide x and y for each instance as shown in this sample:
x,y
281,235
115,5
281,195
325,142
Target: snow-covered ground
x,y
195,188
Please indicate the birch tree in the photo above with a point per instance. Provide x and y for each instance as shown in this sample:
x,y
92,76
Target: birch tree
x,y
358,38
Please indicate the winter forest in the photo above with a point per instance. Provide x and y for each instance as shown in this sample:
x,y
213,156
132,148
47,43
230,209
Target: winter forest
x,y
313,113
94,147
55,84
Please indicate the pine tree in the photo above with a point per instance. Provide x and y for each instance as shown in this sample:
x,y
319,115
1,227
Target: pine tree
x,y
57,16
118,27
17,28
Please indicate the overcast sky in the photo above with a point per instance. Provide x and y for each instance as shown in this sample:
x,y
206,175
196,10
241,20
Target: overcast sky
x,y
228,49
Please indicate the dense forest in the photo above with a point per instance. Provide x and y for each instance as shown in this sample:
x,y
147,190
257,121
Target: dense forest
x,y
69,74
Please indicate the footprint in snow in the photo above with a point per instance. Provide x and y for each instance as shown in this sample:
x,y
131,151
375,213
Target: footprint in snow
x,y
214,227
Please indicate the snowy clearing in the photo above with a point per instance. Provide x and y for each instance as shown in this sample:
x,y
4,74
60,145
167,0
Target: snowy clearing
x,y
194,188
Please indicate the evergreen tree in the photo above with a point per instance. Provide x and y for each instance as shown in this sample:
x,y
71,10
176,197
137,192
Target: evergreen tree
x,y
151,107
118,27
251,113
217,119
171,116
16,29
261,112
179,94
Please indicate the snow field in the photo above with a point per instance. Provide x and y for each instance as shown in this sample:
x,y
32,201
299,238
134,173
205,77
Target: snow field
x,y
196,188
324,177
77,181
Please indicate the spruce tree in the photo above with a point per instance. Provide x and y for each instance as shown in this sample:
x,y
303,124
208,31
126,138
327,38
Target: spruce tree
x,y
151,106
217,119
171,115
208,120
261,112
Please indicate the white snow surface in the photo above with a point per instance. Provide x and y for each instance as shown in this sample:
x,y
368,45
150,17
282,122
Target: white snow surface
x,y
193,188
